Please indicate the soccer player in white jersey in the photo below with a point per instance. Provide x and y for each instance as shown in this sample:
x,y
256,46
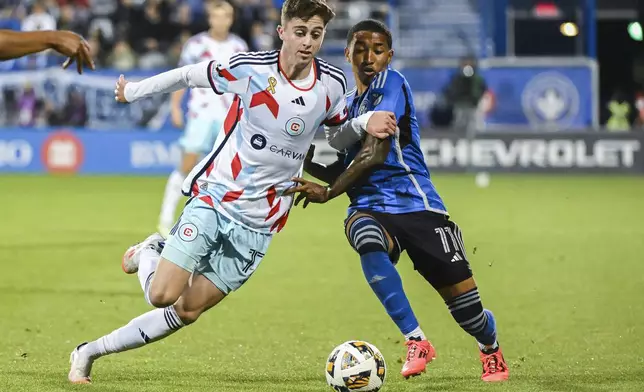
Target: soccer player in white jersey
x,y
206,109
237,201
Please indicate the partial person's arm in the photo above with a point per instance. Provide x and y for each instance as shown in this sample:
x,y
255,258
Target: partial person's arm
x,y
326,173
379,124
345,135
15,44
207,74
373,153
175,108
189,76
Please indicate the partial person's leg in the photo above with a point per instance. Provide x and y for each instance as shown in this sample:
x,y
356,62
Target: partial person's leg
x,y
152,326
196,141
196,237
200,296
145,259
464,303
442,260
375,246
172,194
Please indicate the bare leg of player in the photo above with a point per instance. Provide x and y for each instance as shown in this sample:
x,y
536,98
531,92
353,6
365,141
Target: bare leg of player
x,y
464,303
173,194
180,301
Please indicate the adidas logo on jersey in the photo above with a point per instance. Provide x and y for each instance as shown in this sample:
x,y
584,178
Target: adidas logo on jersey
x,y
457,257
299,101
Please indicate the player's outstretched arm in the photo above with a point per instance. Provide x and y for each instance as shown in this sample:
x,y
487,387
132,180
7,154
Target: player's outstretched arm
x,y
189,76
15,44
374,152
326,173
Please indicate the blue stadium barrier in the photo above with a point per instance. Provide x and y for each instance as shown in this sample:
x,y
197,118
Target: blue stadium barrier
x,y
138,152
141,152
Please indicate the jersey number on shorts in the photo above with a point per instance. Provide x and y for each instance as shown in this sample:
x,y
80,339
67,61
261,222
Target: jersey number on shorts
x,y
254,256
454,236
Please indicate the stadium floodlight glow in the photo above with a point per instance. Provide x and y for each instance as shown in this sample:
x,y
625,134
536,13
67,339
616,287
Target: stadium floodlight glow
x,y
569,29
635,31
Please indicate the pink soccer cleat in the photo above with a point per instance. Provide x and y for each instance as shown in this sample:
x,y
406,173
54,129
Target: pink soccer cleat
x,y
494,367
419,354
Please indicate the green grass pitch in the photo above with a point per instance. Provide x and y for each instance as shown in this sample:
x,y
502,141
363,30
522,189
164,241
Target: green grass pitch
x,y
559,259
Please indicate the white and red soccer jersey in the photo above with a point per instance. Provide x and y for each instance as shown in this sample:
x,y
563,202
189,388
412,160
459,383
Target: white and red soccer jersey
x,y
266,135
204,103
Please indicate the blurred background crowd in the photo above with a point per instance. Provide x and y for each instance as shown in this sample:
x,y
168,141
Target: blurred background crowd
x,y
147,35
127,35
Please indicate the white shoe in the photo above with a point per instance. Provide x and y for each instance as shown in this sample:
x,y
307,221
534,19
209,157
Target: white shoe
x,y
131,258
81,366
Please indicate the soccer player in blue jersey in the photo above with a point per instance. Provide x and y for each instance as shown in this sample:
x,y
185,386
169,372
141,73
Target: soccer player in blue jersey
x,y
395,207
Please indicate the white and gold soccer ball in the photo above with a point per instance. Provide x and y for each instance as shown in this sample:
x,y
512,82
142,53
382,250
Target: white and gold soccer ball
x,y
356,366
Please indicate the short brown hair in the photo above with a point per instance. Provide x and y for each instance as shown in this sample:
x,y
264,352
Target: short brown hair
x,y
306,9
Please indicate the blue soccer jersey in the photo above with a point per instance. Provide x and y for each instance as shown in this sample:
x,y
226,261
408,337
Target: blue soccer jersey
x,y
402,184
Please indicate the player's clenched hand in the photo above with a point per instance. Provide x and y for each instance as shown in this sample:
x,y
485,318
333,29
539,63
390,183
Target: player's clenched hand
x,y
74,47
310,192
119,92
382,124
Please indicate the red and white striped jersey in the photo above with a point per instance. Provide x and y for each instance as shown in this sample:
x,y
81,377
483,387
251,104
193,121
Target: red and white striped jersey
x,y
266,135
204,103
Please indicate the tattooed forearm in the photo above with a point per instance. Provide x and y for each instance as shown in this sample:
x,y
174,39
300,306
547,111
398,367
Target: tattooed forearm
x,y
374,152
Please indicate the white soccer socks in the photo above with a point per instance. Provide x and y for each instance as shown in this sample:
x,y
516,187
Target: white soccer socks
x,y
171,199
148,261
149,327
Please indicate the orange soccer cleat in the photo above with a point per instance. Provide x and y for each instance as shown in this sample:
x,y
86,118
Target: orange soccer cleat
x,y
494,367
419,354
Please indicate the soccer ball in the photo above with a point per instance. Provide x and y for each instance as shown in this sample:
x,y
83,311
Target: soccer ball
x,y
356,366
482,180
